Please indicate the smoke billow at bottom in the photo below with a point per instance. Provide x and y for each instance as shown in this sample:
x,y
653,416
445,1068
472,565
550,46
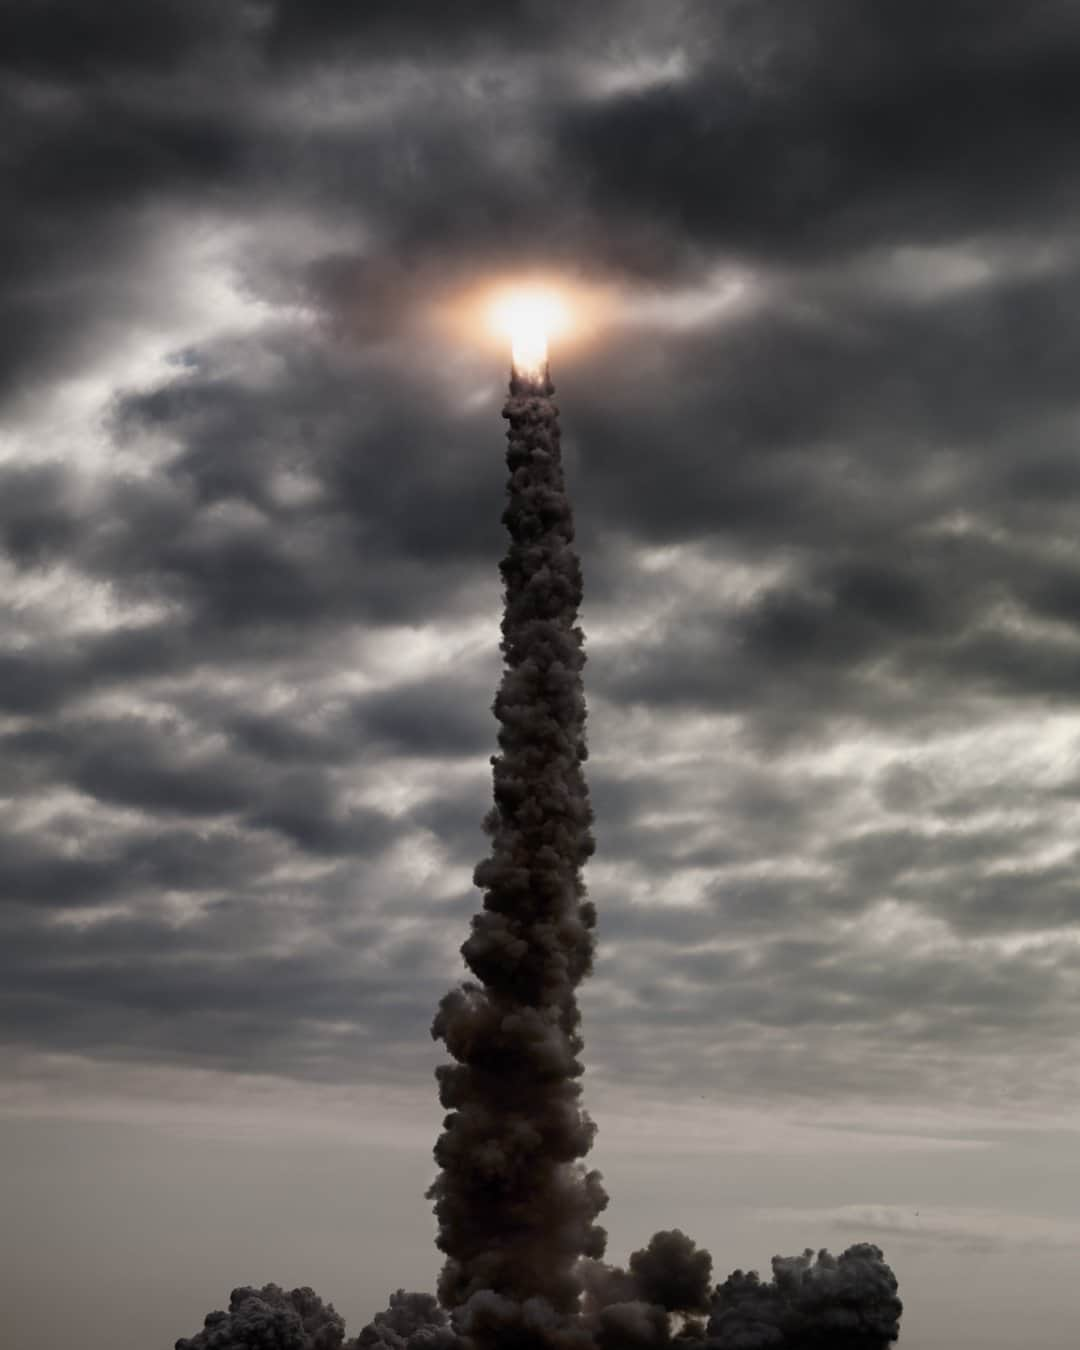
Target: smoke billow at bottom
x,y
515,1206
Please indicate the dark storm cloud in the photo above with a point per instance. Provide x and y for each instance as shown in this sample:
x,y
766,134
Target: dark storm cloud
x,y
333,28
37,521
135,764
432,718
94,159
799,985
866,463
121,132
869,416
217,988
136,867
818,131
152,767
908,633
61,38
385,531
302,807
55,669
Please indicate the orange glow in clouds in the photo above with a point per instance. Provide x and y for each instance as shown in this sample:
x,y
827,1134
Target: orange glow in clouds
x,y
528,312
528,317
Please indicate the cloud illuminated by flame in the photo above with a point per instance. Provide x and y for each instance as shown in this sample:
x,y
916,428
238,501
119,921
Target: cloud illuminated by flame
x,y
529,318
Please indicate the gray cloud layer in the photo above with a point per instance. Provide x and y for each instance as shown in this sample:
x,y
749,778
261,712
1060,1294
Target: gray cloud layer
x,y
250,600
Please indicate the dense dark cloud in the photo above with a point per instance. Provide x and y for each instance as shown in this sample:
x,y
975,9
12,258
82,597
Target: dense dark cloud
x,y
250,514
328,28
817,132
59,38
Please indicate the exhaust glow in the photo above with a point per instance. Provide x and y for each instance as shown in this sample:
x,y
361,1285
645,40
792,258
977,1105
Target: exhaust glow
x,y
529,318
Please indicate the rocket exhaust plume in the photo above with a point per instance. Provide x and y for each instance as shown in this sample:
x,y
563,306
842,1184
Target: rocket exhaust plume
x,y
515,1205
529,318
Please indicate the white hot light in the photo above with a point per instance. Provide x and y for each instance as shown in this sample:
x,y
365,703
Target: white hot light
x,y
528,318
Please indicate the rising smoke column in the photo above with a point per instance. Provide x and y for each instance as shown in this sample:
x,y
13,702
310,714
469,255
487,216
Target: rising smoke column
x,y
516,1208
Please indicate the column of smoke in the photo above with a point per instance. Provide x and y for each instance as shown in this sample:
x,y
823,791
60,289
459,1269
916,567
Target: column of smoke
x,y
515,1206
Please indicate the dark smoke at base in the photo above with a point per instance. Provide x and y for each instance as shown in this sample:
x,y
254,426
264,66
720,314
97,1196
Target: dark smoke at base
x,y
270,1319
515,1206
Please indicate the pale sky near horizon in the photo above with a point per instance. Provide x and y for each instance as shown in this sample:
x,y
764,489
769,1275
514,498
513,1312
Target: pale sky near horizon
x,y
819,433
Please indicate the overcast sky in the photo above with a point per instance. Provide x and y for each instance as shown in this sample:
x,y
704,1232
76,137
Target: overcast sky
x,y
822,444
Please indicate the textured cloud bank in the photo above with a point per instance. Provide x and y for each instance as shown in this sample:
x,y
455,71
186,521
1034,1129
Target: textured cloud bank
x,y
245,511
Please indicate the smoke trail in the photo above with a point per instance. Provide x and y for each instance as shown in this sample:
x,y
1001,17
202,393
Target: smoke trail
x,y
515,1207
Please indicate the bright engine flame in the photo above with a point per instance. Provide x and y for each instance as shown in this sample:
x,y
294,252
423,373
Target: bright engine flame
x,y
528,318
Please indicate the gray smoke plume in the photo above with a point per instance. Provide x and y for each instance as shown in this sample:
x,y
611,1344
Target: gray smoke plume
x,y
270,1319
414,1320
515,1206
672,1273
516,1209
831,1303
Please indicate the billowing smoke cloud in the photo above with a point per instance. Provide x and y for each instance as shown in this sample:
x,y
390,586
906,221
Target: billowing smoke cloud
x,y
515,1205
828,1303
270,1319
414,1320
671,1272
